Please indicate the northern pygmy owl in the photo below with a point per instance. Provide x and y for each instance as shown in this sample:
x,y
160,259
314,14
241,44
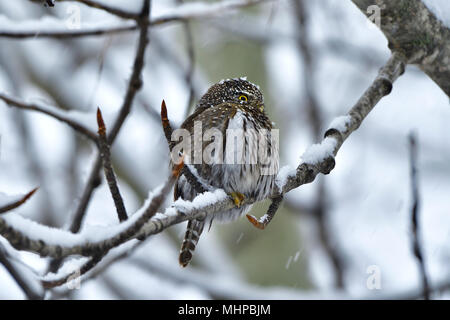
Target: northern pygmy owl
x,y
232,109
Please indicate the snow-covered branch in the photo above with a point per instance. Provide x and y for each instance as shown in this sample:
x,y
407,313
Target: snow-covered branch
x,y
122,13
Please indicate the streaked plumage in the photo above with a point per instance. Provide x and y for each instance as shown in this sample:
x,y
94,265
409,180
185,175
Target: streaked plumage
x,y
223,107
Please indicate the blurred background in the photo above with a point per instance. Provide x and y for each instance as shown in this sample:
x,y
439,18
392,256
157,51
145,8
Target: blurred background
x,y
312,60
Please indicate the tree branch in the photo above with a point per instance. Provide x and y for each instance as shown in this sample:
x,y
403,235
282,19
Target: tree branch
x,y
12,102
336,136
180,15
413,30
417,248
109,171
10,205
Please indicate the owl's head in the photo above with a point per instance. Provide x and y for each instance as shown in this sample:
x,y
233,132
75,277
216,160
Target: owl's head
x,y
236,91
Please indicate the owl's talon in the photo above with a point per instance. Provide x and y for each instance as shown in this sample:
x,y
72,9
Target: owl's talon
x,y
237,198
254,221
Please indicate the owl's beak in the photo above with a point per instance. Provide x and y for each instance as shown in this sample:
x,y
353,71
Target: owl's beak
x,y
261,107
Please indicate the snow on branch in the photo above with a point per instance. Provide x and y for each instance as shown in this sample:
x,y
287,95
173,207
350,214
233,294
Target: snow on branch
x,y
320,158
50,27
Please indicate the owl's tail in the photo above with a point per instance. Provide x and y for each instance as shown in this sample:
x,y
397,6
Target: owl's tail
x,y
193,232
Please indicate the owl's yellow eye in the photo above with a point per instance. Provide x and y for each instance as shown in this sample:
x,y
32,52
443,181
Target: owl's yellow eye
x,y
243,98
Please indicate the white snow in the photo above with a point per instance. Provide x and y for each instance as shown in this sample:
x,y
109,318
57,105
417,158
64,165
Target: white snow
x,y
318,152
25,272
202,200
441,9
54,236
283,175
340,123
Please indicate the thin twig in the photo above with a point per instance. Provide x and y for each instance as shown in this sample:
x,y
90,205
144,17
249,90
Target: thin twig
x,y
191,64
417,248
67,34
98,255
109,171
134,84
18,277
193,180
17,203
59,116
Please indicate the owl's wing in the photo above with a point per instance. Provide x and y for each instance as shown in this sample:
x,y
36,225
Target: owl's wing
x,y
211,117
214,117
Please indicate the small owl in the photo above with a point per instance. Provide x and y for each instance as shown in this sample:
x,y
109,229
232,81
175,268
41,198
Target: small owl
x,y
244,162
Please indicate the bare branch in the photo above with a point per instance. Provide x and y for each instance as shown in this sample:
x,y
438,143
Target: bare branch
x,y
52,113
16,203
417,248
382,86
67,34
107,166
186,171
